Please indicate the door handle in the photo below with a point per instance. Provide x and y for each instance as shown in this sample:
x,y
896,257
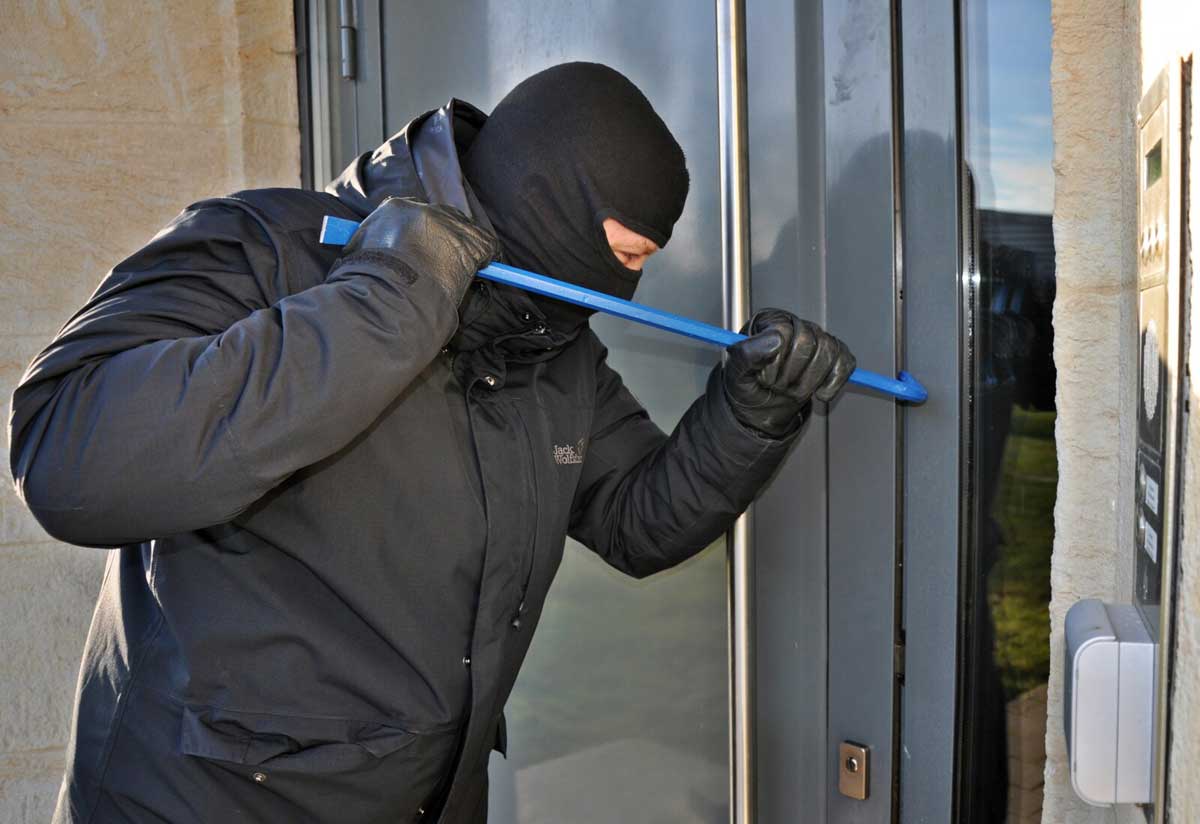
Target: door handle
x,y
336,231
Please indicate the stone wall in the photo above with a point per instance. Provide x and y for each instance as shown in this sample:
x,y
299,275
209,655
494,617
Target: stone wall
x,y
1093,89
1105,54
114,115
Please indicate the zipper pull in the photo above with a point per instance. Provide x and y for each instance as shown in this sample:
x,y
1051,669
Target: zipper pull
x,y
516,622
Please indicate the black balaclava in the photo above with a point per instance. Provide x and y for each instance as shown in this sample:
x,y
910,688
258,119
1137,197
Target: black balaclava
x,y
565,149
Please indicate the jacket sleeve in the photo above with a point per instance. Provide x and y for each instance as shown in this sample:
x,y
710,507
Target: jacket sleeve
x,y
179,393
647,501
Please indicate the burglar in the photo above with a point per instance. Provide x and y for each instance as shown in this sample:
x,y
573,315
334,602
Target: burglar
x,y
339,481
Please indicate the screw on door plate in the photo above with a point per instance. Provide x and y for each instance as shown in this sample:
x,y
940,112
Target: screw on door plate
x,y
854,762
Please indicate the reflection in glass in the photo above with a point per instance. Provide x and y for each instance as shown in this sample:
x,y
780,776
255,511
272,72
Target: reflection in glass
x,y
1015,471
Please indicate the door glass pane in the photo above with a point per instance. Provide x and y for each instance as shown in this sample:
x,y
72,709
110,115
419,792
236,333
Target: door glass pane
x,y
1011,254
620,712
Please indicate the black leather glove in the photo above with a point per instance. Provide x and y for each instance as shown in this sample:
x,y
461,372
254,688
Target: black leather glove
x,y
771,377
429,240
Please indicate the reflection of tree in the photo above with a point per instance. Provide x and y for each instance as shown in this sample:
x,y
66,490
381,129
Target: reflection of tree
x,y
1017,377
1016,267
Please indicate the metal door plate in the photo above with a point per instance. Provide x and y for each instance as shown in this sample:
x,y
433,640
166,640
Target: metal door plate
x,y
854,762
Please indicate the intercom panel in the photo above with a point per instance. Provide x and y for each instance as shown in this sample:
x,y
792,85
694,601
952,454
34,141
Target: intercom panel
x,y
1159,307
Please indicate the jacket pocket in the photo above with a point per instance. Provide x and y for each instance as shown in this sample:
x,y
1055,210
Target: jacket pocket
x,y
292,744
309,769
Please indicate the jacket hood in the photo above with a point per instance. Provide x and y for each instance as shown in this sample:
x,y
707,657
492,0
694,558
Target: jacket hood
x,y
422,160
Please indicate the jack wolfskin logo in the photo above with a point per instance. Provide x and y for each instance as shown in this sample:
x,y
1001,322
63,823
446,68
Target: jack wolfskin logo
x,y
569,454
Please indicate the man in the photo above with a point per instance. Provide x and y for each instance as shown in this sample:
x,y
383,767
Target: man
x,y
340,480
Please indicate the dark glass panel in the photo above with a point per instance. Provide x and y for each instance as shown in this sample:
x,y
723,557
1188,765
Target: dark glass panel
x,y
1014,466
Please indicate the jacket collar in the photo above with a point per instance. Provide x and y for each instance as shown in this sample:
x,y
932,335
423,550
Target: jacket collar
x,y
421,160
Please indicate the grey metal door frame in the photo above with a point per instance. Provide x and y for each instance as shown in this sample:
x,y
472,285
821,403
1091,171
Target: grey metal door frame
x,y
937,344
863,292
857,591
347,106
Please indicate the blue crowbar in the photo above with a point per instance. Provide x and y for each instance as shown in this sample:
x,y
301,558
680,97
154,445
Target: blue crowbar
x,y
336,231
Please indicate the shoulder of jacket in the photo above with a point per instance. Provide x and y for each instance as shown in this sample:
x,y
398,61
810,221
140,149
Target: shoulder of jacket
x,y
276,218
276,211
283,209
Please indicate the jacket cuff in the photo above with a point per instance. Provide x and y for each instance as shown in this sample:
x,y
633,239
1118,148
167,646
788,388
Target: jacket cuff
x,y
425,291
373,261
748,443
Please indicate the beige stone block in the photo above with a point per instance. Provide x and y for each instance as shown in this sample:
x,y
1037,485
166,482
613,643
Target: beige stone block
x,y
76,200
118,62
266,54
271,155
29,782
48,593
17,524
1088,313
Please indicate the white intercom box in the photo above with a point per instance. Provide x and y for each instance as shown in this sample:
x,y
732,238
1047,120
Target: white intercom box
x,y
1109,703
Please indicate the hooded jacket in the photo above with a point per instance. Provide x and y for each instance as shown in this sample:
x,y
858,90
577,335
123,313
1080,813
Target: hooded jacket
x,y
333,532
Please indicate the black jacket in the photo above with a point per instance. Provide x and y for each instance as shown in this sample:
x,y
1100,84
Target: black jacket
x,y
336,524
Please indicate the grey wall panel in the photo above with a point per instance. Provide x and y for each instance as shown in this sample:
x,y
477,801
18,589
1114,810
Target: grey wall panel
x,y
435,51
931,434
860,292
787,243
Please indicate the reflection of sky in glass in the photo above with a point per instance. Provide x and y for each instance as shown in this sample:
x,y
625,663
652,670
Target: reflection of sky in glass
x,y
1010,144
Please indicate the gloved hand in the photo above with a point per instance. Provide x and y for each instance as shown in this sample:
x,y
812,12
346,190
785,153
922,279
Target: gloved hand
x,y
771,377
431,240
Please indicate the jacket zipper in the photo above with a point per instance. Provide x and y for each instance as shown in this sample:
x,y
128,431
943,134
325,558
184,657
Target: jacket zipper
x,y
516,622
487,522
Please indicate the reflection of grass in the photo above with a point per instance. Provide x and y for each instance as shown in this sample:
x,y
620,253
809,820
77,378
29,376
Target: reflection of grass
x,y
1019,584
